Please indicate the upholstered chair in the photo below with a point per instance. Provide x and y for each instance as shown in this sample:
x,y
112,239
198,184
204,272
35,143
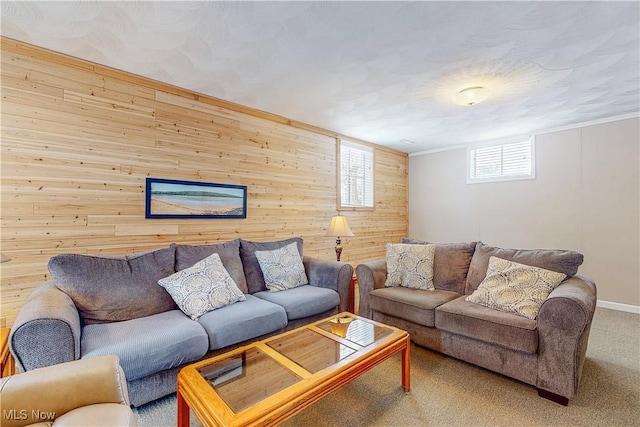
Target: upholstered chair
x,y
87,392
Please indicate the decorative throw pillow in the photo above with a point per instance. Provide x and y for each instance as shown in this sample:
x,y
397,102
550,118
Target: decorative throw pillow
x,y
410,266
252,270
450,264
515,288
558,260
203,287
188,255
282,268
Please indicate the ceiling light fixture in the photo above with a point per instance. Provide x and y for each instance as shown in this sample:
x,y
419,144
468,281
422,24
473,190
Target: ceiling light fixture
x,y
471,95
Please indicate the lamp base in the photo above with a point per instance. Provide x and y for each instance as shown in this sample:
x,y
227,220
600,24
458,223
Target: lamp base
x,y
338,249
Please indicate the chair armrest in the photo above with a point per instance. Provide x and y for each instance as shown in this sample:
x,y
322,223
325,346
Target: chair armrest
x,y
564,322
62,388
47,329
330,274
371,275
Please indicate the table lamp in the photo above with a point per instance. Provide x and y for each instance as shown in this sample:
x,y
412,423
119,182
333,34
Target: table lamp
x,y
339,228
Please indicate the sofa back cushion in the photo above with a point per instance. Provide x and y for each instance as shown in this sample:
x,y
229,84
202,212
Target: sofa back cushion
x,y
187,256
450,265
558,260
252,270
112,289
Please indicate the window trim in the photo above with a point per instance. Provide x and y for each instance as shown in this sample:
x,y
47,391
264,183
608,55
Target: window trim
x,y
339,205
470,148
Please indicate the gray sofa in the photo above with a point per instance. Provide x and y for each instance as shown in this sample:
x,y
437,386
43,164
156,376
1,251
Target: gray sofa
x,y
547,352
95,306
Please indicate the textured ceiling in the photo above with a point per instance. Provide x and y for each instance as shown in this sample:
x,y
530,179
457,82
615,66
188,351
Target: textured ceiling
x,y
380,71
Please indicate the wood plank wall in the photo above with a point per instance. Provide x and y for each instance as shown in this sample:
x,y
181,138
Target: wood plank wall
x,y
79,139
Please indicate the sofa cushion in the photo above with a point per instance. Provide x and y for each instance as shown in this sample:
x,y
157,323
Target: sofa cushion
x,y
147,345
188,255
252,270
203,287
413,305
303,301
450,265
282,268
242,321
486,324
111,289
515,288
410,266
561,261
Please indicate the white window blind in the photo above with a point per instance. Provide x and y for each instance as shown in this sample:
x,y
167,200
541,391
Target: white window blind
x,y
500,162
356,175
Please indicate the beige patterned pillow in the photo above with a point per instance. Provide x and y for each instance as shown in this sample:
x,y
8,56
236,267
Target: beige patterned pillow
x,y
515,288
282,268
410,266
203,287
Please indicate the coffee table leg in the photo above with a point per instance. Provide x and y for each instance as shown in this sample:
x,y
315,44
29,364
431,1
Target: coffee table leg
x,y
183,411
406,367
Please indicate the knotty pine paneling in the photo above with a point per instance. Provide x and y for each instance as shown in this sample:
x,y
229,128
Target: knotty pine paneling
x,y
79,139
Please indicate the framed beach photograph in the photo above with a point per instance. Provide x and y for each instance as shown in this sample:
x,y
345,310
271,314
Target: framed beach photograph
x,y
167,198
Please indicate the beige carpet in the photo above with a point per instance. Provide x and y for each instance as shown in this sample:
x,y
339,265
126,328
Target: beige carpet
x,y
448,392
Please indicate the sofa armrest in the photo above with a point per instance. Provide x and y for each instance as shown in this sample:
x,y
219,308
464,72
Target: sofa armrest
x,y
330,274
46,331
564,322
62,388
371,275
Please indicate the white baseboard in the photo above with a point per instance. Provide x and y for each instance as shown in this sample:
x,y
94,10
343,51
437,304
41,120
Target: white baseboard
x,y
620,307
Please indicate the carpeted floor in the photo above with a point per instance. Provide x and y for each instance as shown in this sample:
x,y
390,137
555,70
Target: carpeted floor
x,y
448,392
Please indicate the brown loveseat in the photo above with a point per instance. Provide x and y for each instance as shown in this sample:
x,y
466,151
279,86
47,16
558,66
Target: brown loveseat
x,y
547,352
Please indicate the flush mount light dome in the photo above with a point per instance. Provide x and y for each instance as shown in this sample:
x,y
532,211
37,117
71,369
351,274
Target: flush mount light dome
x,y
471,95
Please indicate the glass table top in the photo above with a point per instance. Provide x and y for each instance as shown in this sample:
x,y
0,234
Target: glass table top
x,y
357,331
247,378
311,350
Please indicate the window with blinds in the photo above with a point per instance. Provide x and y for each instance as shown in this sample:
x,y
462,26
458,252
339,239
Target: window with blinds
x,y
501,162
356,175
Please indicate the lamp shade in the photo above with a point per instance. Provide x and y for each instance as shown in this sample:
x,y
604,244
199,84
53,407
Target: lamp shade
x,y
339,227
4,258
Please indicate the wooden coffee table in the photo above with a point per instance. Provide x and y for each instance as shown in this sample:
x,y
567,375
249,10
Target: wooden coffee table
x,y
269,381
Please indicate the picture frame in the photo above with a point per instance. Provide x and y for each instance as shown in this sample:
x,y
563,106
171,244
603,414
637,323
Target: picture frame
x,y
168,198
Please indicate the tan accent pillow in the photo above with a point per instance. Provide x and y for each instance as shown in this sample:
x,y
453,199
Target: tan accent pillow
x,y
515,288
410,266
282,268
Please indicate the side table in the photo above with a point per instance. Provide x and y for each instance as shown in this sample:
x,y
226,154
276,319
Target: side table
x,y
8,366
352,299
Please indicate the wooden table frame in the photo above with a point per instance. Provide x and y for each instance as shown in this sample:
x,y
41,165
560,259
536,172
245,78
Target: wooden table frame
x,y
195,393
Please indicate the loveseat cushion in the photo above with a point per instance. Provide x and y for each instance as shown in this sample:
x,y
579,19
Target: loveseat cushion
x,y
188,255
450,264
558,260
252,270
303,301
112,289
413,305
147,345
486,324
242,321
